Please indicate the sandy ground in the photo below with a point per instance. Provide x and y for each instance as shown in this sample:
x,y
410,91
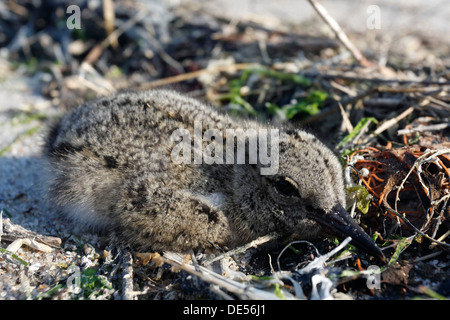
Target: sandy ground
x,y
399,17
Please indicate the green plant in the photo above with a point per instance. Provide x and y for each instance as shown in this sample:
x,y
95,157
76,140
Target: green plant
x,y
306,107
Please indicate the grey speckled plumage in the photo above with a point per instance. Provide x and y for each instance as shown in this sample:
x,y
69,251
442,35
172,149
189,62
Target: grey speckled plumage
x,y
111,169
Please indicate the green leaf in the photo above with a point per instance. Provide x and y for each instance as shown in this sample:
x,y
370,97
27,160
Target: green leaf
x,y
93,284
241,101
362,195
8,214
296,251
89,272
49,293
301,108
272,108
375,236
261,278
431,293
317,96
401,246
278,292
308,106
349,273
361,124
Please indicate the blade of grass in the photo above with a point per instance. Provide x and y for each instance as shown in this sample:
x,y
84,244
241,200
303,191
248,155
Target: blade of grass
x,y
361,124
27,133
15,256
401,246
431,293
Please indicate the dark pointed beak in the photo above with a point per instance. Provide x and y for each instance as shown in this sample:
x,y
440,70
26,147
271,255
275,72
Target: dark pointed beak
x,y
339,223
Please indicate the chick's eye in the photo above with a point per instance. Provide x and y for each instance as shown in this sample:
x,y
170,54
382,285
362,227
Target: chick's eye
x,y
285,187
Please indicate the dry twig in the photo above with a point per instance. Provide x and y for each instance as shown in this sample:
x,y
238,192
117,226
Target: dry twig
x,y
18,243
389,123
340,34
432,127
195,74
127,276
345,119
243,290
410,225
425,157
252,244
110,17
12,232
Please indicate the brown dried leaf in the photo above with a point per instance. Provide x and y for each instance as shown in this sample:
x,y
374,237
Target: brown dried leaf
x,y
397,274
146,257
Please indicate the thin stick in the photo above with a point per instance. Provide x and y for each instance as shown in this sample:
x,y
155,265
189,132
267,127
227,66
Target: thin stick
x,y
14,232
123,28
386,125
418,163
444,198
428,256
195,74
445,235
127,276
353,77
109,18
290,244
252,244
347,123
438,102
346,90
320,261
96,51
18,243
241,289
433,127
410,89
323,13
409,224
